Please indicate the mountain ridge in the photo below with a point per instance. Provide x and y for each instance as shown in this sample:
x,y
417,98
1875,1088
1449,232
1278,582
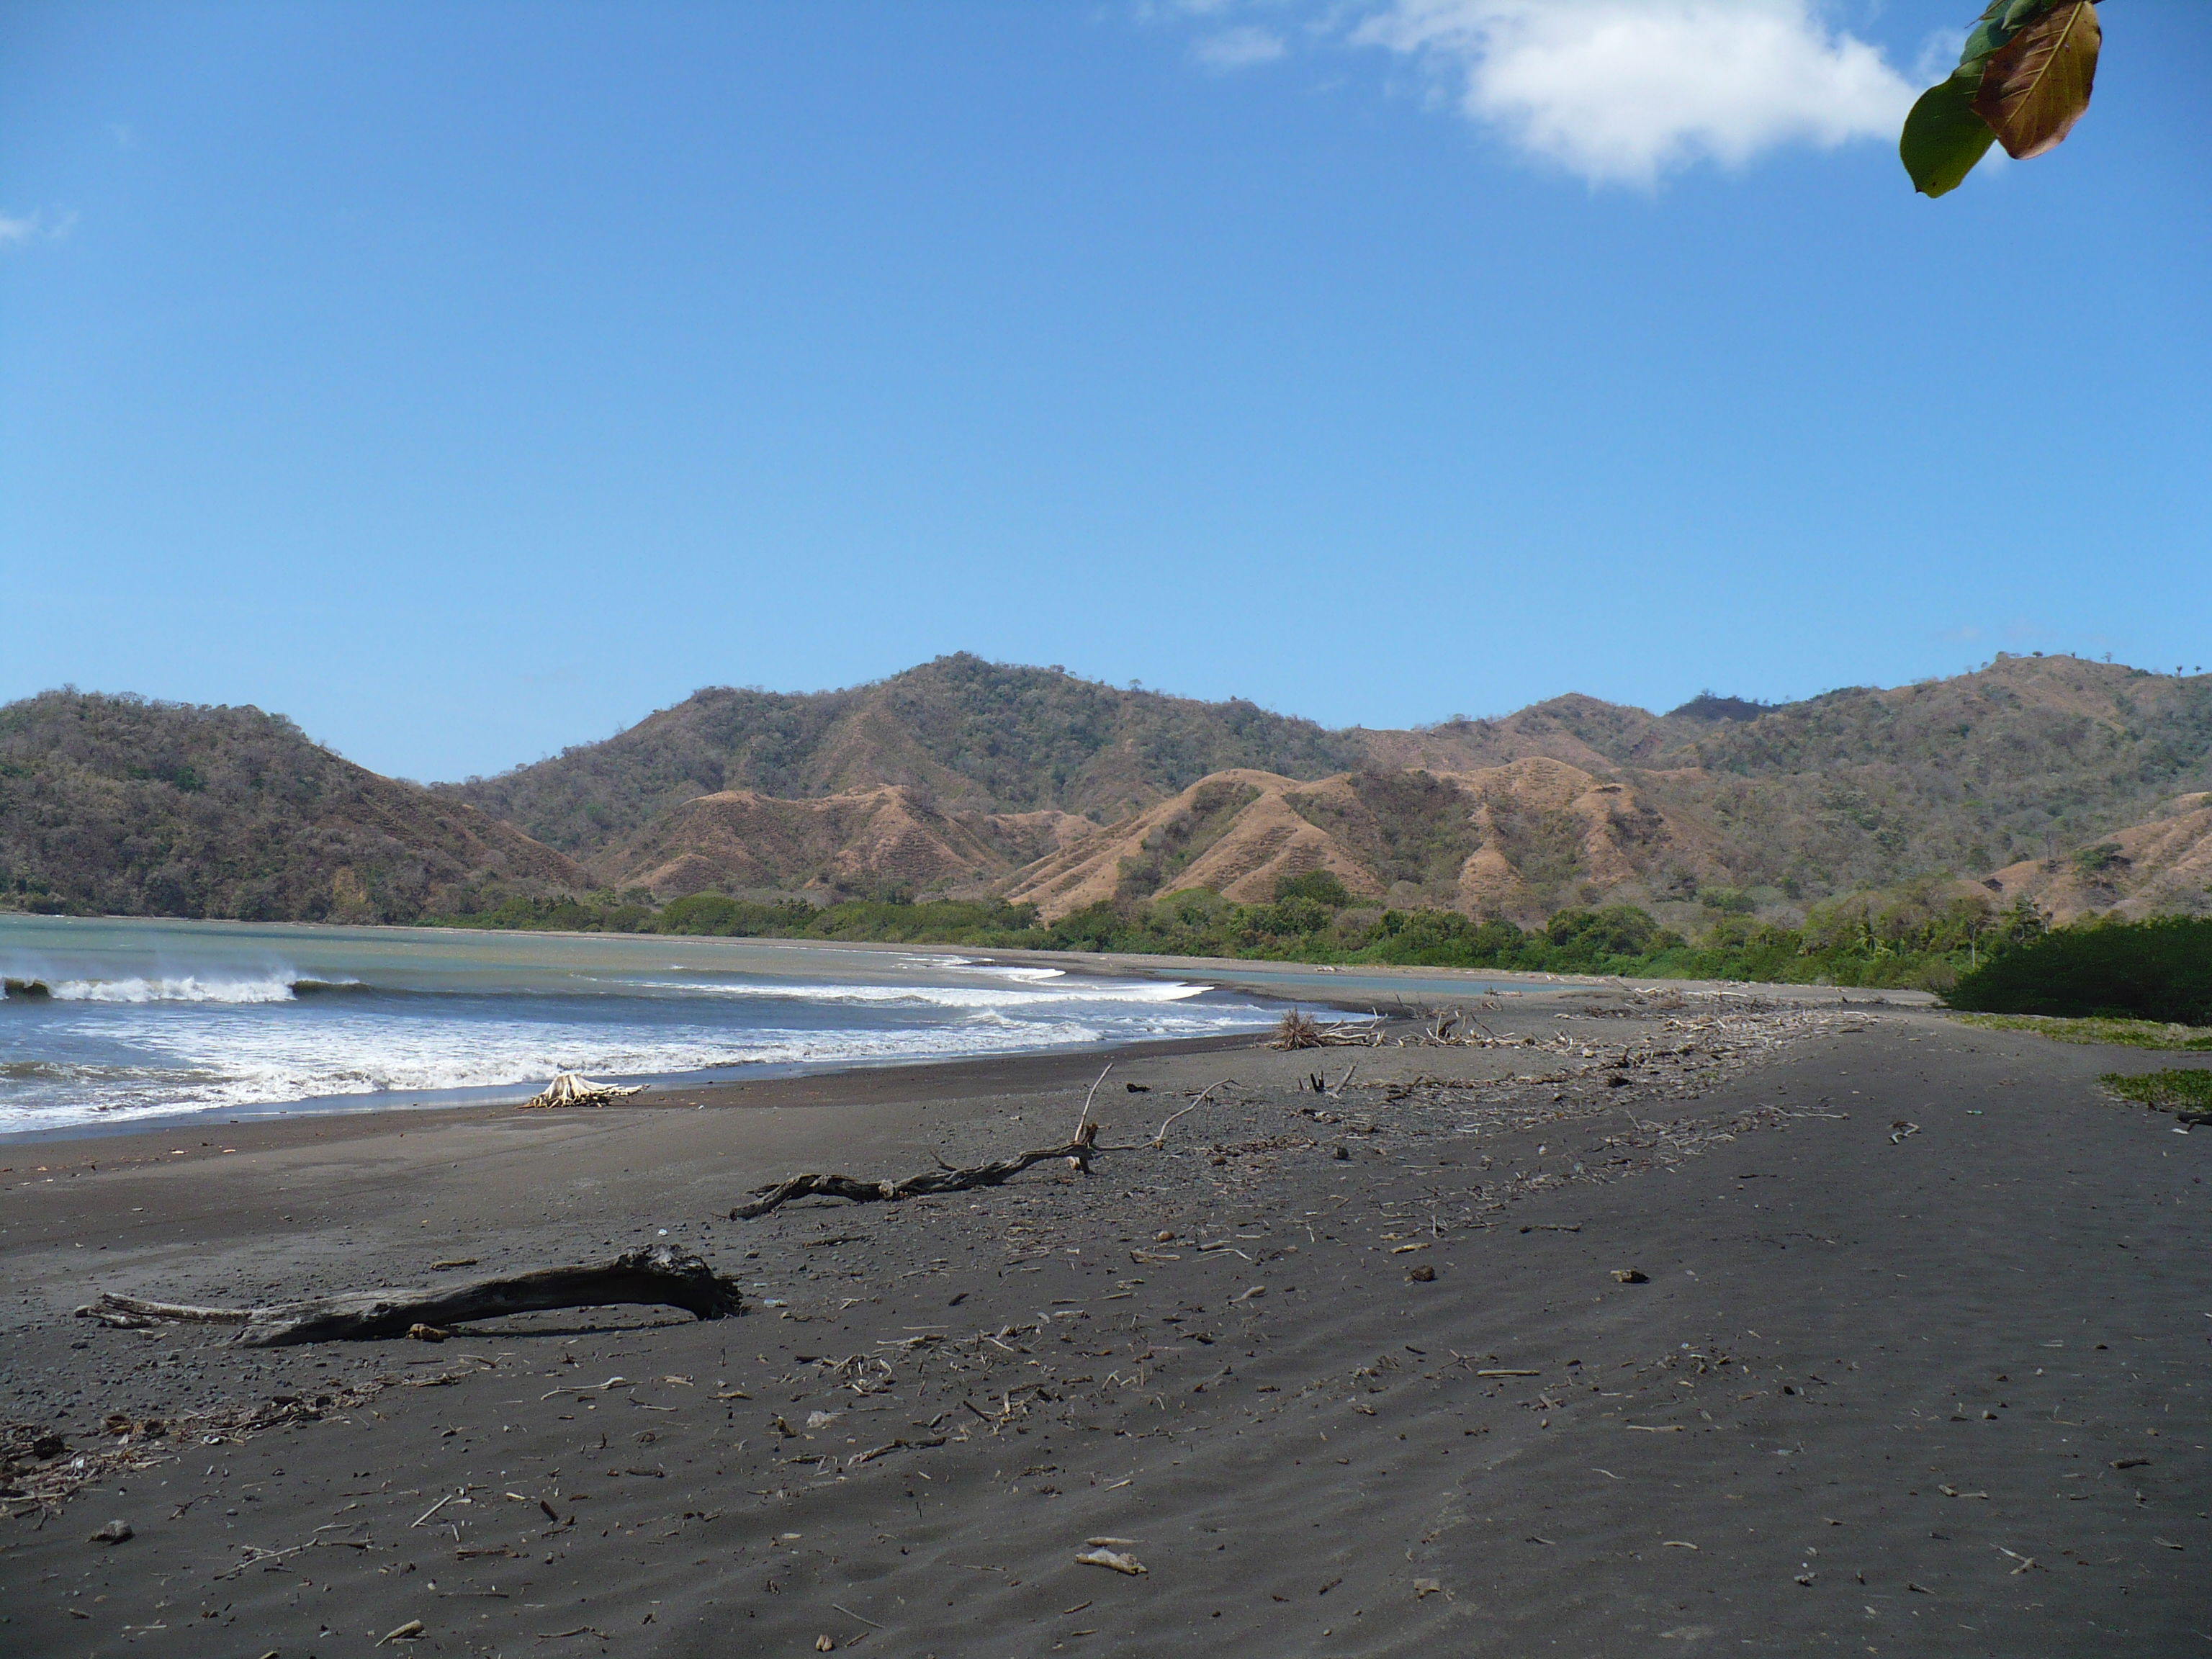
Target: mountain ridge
x,y
965,777
1856,787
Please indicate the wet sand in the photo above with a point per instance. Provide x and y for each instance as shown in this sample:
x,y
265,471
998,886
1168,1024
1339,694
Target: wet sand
x,y
1352,1371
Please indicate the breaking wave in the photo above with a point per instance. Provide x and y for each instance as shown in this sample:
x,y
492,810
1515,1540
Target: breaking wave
x,y
1028,995
188,987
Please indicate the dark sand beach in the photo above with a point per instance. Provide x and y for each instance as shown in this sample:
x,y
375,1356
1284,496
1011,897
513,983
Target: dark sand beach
x,y
1915,1364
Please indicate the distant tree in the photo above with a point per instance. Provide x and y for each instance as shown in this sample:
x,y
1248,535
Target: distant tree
x,y
2023,80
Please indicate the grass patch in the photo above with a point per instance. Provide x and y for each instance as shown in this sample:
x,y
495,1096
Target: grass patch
x,y
2189,1093
2126,1033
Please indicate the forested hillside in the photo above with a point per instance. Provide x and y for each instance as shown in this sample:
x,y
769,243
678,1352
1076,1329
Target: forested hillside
x,y
119,805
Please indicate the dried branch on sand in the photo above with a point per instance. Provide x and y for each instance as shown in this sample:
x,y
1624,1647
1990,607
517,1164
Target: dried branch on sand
x,y
1300,1030
660,1277
944,1179
574,1088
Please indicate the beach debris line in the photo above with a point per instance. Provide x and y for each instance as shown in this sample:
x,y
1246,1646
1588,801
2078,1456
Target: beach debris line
x,y
657,1277
574,1088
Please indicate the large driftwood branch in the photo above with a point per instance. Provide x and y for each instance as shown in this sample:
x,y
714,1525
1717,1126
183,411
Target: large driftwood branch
x,y
574,1088
947,1180
658,1277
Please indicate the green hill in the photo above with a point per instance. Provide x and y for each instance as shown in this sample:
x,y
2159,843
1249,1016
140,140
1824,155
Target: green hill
x,y
123,806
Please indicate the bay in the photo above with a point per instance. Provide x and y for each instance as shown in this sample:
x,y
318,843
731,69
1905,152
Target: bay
x,y
121,1019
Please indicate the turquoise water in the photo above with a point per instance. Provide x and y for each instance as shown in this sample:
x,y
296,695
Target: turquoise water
x,y
108,1020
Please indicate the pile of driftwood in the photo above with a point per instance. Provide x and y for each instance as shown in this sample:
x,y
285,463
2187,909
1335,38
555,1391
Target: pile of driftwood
x,y
1300,1030
574,1088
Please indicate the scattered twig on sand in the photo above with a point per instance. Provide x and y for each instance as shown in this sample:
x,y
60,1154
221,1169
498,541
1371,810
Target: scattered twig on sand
x,y
1085,1116
1300,1030
947,1180
657,1277
874,1452
1197,1100
574,1088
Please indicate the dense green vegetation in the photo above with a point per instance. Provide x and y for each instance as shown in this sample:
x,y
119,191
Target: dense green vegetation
x,y
1912,938
2159,970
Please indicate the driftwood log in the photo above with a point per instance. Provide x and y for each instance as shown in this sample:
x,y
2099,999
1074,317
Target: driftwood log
x,y
660,1277
944,1179
574,1088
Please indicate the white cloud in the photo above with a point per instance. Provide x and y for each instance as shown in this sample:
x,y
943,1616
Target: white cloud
x,y
1622,91
1238,48
35,227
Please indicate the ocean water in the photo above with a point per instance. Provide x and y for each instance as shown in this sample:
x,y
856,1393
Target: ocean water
x,y
108,1020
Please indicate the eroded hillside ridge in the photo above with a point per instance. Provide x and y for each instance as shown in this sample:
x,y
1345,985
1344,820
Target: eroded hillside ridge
x,y
119,805
1519,840
979,736
893,836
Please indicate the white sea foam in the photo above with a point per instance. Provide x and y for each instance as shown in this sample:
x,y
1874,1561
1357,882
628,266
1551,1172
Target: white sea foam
x,y
945,996
188,987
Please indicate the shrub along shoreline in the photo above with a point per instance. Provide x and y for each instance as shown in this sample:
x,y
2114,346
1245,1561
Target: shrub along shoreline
x,y
1917,937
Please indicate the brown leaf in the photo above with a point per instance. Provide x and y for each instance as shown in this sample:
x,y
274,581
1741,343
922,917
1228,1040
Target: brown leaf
x,y
2037,85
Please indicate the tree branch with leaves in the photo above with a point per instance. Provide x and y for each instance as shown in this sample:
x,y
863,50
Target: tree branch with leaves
x,y
2023,81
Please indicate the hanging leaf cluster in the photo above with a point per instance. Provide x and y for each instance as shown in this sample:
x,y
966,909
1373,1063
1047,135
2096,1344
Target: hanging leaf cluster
x,y
2023,80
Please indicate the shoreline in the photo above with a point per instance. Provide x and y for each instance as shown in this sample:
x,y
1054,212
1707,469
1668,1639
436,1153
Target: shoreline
x,y
829,1084
1350,991
1441,1358
181,1118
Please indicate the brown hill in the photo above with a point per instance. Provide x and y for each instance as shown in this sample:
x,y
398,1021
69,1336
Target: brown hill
x,y
955,774
1856,788
889,838
1521,839
2158,868
1863,788
979,736
122,807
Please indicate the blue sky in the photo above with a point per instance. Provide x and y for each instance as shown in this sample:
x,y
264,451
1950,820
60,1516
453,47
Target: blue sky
x,y
469,380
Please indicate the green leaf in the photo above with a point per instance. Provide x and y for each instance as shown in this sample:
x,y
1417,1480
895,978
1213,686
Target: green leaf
x,y
1943,138
2037,85
1997,27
